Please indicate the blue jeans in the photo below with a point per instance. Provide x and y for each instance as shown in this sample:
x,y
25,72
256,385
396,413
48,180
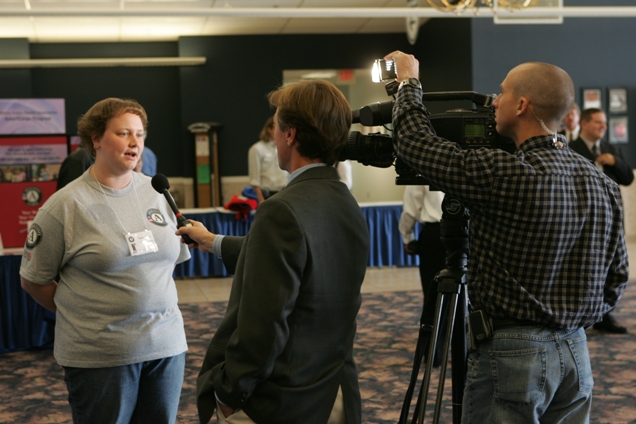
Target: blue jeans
x,y
529,375
145,392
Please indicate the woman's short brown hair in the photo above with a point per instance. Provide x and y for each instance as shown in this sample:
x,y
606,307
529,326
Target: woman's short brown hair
x,y
319,112
94,122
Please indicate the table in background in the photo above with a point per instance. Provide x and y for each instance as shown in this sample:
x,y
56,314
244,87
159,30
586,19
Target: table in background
x,y
387,248
23,323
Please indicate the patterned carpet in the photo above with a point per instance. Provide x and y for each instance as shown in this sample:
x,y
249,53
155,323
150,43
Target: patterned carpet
x,y
32,388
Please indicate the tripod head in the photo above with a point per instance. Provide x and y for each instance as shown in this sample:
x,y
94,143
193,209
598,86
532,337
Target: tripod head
x,y
454,233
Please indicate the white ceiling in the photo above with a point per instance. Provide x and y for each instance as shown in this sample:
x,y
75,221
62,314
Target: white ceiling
x,y
51,28
167,20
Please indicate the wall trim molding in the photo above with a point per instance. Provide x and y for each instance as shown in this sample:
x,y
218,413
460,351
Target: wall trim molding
x,y
103,62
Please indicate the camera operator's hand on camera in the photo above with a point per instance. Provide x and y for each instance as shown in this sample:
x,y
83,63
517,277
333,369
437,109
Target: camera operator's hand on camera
x,y
406,65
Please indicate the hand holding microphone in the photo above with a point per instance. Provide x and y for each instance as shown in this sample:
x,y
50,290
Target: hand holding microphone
x,y
202,238
161,185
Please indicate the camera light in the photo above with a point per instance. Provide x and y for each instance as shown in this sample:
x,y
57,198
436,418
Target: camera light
x,y
383,70
376,73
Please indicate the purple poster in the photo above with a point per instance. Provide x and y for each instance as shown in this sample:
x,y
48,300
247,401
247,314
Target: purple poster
x,y
32,116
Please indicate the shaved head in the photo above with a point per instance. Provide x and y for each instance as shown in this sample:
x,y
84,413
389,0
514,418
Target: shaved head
x,y
549,89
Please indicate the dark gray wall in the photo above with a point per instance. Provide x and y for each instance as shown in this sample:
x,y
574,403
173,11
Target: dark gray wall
x,y
156,88
446,60
595,52
14,83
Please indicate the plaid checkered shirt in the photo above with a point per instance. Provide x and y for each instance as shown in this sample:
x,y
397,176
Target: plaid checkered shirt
x,y
546,227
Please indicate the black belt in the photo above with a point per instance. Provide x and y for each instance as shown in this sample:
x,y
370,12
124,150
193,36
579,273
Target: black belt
x,y
499,323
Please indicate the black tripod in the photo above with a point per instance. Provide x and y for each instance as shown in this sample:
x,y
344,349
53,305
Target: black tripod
x,y
449,282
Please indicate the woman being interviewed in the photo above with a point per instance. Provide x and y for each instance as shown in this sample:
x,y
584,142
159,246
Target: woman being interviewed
x,y
109,236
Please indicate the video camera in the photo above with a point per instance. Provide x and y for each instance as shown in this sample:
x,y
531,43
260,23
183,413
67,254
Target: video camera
x,y
469,128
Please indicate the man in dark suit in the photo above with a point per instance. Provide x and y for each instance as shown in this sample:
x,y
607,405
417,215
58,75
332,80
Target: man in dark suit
x,y
73,166
284,350
608,158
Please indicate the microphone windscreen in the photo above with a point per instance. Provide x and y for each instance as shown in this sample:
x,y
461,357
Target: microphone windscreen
x,y
160,183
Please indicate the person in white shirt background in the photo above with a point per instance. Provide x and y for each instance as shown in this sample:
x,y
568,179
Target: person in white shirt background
x,y
266,176
344,172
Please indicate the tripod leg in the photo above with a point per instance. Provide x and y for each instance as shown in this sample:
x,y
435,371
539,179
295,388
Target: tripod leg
x,y
423,341
421,402
450,283
447,342
459,354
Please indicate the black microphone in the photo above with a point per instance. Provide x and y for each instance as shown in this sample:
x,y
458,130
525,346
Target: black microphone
x,y
161,184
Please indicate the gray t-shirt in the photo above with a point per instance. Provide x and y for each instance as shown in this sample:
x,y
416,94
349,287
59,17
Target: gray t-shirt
x,y
112,308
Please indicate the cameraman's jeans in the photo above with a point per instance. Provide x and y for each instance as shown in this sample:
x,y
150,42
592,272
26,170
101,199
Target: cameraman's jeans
x,y
145,392
529,375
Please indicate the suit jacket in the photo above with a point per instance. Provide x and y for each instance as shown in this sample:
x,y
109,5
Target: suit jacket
x,y
621,172
285,344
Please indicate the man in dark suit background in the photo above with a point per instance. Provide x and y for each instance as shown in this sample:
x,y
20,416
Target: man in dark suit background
x,y
608,158
571,127
73,166
284,350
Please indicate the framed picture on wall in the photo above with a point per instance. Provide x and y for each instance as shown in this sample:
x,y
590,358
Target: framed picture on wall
x,y
618,126
592,97
617,100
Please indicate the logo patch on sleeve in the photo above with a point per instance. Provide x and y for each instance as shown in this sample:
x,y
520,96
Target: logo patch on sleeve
x,y
156,217
34,237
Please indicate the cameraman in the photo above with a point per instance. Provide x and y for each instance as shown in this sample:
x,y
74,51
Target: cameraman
x,y
547,249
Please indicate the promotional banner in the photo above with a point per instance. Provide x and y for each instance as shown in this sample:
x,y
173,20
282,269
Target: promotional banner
x,y
32,116
32,150
29,167
22,201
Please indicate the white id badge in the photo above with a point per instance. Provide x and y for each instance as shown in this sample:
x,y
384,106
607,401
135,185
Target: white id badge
x,y
141,243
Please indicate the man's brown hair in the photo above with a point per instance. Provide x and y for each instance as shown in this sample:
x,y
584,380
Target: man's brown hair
x,y
587,114
319,112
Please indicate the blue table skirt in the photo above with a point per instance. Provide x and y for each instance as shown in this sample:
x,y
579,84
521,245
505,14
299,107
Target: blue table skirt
x,y
22,320
218,221
387,248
